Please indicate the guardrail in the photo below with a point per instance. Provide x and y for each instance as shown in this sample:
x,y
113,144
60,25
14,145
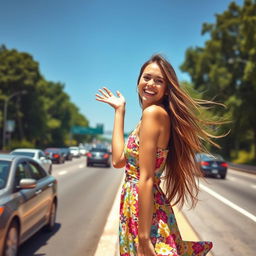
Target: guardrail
x,y
243,167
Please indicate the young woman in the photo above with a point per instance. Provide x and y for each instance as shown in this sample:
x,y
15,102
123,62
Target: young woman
x,y
166,139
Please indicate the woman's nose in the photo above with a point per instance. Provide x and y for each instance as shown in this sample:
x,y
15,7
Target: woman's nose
x,y
151,82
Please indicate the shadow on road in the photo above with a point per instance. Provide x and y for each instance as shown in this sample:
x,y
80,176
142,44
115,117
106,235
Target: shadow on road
x,y
40,239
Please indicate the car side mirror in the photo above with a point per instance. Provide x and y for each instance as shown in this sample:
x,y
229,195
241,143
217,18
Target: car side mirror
x,y
27,183
43,158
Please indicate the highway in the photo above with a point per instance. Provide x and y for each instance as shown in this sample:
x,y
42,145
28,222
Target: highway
x,y
85,199
224,215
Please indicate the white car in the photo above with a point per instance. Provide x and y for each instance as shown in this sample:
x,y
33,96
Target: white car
x,y
36,154
82,151
75,151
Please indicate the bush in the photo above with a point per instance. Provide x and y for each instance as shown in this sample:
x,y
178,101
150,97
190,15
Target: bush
x,y
20,144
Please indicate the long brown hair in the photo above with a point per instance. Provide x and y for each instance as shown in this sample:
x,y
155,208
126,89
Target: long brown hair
x,y
188,132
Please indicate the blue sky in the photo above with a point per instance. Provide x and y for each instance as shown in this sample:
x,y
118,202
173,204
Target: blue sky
x,y
93,43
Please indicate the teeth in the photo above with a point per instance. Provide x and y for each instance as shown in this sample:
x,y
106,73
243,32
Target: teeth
x,y
150,92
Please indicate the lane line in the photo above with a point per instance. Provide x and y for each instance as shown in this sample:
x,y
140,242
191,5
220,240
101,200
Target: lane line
x,y
228,203
62,172
81,166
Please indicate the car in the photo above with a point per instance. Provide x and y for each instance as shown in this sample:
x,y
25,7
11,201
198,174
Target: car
x,y
67,154
36,154
55,154
212,165
75,151
82,151
28,201
98,155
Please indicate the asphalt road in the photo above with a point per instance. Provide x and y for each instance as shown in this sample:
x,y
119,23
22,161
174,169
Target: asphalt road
x,y
226,214
85,197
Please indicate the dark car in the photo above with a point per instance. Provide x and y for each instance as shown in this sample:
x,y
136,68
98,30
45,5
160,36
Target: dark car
x,y
28,201
55,154
98,155
67,154
212,165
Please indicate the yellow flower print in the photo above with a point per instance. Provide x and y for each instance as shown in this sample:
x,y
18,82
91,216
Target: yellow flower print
x,y
163,249
164,229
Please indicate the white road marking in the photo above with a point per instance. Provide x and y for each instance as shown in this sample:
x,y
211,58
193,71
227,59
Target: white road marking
x,y
228,203
62,172
81,166
253,186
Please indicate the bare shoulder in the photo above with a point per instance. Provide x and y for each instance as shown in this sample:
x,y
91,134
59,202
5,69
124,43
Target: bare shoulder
x,y
155,112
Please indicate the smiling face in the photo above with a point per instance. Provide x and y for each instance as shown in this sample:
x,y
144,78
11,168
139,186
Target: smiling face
x,y
152,85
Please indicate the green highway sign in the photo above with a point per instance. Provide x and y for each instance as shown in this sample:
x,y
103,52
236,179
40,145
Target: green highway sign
x,y
87,130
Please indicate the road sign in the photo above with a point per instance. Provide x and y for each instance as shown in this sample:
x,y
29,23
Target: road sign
x,y
87,130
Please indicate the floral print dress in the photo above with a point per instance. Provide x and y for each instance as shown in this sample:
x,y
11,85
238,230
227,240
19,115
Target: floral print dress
x,y
165,234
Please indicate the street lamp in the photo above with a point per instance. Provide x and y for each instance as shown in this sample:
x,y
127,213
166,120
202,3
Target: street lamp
x,y
5,112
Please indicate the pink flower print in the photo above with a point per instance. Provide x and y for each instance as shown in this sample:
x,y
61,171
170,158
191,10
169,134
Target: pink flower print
x,y
197,247
133,229
161,215
159,162
131,142
159,199
170,241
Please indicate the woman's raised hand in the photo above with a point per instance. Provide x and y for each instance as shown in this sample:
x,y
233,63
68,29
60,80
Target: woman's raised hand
x,y
108,97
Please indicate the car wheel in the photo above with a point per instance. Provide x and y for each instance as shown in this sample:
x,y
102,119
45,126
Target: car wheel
x,y
88,165
223,176
52,217
11,243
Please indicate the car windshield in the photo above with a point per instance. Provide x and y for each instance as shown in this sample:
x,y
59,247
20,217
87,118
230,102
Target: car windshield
x,y
4,173
104,150
21,153
206,157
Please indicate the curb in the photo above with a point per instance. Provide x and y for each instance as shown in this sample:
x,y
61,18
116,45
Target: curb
x,y
109,238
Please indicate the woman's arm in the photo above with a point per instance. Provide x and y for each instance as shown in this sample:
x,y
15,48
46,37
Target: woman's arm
x,y
118,159
118,103
149,134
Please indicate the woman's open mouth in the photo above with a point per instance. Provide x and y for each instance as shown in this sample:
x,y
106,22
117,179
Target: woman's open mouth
x,y
149,92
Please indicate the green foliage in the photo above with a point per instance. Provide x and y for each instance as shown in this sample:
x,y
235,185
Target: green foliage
x,y
21,144
44,114
225,70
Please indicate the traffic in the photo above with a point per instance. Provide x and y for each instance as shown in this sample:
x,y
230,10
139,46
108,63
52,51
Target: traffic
x,y
28,191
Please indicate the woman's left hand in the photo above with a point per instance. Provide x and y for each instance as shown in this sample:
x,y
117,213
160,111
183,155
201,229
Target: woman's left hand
x,y
146,248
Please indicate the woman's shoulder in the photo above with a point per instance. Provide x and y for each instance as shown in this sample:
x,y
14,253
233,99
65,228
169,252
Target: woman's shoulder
x,y
155,111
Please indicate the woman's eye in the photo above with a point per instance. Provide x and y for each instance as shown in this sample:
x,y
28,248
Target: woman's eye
x,y
146,78
159,81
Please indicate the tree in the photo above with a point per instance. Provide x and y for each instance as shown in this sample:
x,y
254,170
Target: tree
x,y
45,114
225,70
